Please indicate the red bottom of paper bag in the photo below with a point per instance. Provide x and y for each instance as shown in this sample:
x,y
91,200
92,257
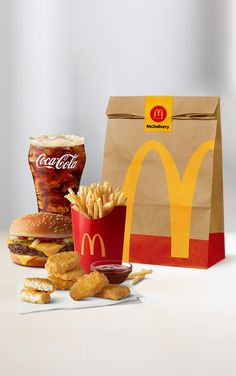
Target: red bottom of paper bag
x,y
147,249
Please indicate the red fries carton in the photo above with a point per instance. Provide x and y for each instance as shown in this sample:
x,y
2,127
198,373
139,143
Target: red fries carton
x,y
99,239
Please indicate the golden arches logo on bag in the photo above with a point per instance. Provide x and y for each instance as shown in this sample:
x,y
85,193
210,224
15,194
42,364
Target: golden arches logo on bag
x,y
180,191
91,243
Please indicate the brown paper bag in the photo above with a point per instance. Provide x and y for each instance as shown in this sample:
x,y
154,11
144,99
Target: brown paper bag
x,y
170,167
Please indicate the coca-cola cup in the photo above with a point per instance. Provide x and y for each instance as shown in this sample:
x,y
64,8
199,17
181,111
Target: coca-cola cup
x,y
56,164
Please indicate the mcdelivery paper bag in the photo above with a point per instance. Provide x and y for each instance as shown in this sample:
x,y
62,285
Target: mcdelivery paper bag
x,y
166,154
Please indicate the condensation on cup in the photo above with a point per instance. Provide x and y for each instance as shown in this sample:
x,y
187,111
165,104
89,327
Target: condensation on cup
x,y
56,164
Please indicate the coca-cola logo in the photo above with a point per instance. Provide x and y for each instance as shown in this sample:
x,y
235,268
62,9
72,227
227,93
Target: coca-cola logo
x,y
66,161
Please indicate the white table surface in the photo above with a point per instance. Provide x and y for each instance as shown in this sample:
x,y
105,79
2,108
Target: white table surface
x,y
185,326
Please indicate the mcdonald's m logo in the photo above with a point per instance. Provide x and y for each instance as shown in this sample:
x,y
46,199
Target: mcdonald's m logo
x,y
91,243
180,190
158,114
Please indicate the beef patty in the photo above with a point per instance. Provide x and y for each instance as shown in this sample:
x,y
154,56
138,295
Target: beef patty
x,y
24,250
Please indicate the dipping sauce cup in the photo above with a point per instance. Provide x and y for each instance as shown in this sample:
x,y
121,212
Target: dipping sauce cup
x,y
115,271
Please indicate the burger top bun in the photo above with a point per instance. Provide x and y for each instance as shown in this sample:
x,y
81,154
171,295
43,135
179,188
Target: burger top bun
x,y
42,225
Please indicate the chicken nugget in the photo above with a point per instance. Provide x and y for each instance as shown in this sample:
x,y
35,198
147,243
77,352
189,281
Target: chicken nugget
x,y
72,275
88,285
40,284
114,292
62,262
60,284
34,296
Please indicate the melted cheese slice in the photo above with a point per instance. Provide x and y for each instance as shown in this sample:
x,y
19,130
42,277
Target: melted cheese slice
x,y
49,249
25,259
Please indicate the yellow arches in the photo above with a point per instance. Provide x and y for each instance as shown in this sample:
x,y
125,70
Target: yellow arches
x,y
180,191
92,244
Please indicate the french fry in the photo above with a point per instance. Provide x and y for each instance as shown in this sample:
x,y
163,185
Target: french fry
x,y
104,199
93,186
89,195
90,207
137,279
111,197
74,200
83,201
80,211
86,189
96,194
100,207
77,202
124,200
90,212
106,186
81,189
143,272
100,189
116,196
108,206
95,210
70,198
75,207
120,199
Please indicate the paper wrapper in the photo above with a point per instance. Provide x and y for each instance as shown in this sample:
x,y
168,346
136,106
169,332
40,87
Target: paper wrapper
x,y
99,239
62,300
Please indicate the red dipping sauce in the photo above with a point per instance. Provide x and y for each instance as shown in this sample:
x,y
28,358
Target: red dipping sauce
x,y
115,271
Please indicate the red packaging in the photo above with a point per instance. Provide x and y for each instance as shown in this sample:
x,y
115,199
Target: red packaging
x,y
99,239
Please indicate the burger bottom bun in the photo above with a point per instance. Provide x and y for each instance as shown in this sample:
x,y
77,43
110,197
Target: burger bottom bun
x,y
34,261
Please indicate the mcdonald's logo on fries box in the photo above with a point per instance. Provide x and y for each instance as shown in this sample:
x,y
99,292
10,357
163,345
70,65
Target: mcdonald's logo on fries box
x,y
99,239
166,154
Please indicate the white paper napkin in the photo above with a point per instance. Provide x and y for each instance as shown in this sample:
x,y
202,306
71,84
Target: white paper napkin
x,y
62,300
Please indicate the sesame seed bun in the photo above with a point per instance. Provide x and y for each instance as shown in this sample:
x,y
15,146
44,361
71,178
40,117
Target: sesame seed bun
x,y
42,225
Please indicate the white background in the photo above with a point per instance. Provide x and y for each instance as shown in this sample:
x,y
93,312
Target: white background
x,y
61,60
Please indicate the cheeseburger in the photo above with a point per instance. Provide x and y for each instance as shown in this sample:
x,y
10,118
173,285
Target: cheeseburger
x,y
35,237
